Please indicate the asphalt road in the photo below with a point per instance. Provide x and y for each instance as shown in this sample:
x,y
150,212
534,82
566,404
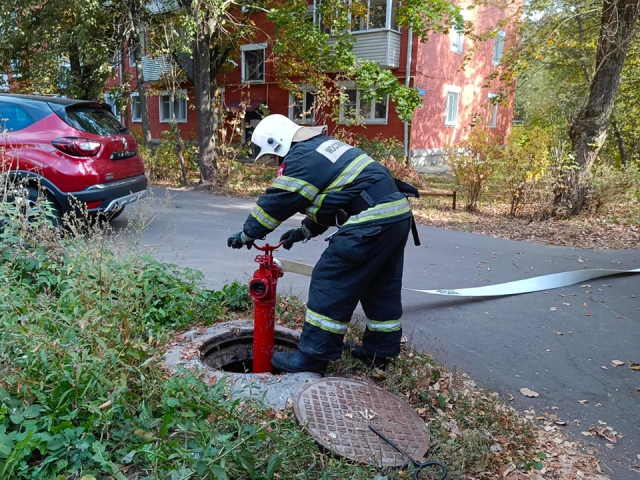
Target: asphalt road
x,y
505,344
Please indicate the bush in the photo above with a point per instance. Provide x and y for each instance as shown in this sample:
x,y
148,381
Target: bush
x,y
613,185
381,148
474,162
524,162
162,162
82,390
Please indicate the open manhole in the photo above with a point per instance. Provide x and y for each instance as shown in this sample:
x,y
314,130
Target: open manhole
x,y
232,349
224,352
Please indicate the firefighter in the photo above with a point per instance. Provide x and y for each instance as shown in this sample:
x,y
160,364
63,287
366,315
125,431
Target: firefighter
x,y
335,184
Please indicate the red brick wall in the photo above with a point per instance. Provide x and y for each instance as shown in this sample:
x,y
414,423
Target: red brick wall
x,y
437,66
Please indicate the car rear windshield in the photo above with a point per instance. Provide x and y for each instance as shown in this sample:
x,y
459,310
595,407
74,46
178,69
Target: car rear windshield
x,y
93,120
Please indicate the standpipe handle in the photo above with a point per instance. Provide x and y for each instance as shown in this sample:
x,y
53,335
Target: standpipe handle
x,y
268,248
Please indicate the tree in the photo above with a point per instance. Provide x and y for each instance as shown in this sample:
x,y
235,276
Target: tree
x,y
578,67
59,47
135,12
588,130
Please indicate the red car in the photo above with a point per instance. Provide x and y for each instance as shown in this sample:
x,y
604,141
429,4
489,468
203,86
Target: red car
x,y
71,148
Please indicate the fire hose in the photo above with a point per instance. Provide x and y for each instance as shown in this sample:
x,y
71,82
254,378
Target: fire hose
x,y
517,287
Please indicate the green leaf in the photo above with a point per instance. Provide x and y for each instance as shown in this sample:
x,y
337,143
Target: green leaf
x,y
219,472
33,411
17,419
87,477
275,462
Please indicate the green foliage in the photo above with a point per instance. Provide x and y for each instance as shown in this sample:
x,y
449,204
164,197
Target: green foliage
x,y
162,163
381,148
59,47
82,391
614,185
523,163
474,162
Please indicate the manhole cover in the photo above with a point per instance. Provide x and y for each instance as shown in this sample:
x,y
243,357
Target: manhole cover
x,y
337,413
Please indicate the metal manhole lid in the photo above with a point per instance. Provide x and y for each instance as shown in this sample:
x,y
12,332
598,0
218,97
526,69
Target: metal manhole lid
x,y
337,413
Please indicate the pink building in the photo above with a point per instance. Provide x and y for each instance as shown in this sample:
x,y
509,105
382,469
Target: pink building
x,y
453,97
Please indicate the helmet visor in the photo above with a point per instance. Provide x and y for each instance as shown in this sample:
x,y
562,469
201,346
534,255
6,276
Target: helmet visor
x,y
255,151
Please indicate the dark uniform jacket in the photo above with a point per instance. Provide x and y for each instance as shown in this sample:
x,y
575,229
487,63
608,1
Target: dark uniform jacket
x,y
319,177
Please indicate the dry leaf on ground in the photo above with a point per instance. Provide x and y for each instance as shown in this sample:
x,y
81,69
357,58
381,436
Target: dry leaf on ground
x,y
529,393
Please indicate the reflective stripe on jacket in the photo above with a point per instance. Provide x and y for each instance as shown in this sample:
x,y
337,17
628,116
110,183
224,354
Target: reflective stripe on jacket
x,y
321,176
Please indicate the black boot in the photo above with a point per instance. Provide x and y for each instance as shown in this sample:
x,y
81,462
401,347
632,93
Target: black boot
x,y
359,352
295,362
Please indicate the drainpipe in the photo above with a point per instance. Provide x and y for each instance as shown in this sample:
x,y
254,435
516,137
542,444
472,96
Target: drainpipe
x,y
407,83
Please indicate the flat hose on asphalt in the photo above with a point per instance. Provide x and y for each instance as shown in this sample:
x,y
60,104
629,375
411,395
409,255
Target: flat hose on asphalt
x,y
528,285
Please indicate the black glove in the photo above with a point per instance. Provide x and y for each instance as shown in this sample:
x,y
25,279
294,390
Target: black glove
x,y
406,188
237,240
295,235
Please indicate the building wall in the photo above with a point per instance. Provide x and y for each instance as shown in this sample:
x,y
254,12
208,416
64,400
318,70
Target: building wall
x,y
433,66
437,66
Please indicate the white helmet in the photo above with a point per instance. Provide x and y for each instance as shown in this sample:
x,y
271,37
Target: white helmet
x,y
273,136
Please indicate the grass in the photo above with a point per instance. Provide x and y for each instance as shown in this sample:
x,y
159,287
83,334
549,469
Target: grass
x,y
83,395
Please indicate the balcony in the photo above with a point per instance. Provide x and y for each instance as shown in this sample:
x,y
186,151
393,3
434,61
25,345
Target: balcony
x,y
376,32
382,46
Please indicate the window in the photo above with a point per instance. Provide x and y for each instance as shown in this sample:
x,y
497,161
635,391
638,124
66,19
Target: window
x,y
93,120
136,108
301,107
179,107
144,41
4,82
353,108
492,111
457,40
498,47
14,117
111,101
376,15
253,62
451,106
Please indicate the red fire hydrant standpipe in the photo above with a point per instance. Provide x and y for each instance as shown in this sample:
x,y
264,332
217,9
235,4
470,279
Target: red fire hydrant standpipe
x,y
262,289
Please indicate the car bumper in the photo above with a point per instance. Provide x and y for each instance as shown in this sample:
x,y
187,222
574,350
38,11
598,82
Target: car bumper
x,y
107,197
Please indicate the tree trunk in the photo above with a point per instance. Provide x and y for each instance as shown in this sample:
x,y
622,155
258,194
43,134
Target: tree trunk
x,y
624,159
204,105
589,130
146,126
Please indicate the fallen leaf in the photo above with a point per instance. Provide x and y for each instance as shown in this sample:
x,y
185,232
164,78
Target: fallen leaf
x,y
333,435
562,423
566,304
583,401
529,393
604,368
634,366
616,363
558,333
553,309
105,405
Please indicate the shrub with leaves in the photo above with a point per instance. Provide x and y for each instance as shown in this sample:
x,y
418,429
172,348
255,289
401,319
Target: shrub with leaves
x,y
474,162
523,164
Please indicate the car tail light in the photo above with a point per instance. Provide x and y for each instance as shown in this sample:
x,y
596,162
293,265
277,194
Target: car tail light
x,y
77,146
91,205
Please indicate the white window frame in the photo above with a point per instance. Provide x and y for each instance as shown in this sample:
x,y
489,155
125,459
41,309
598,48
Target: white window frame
x,y
111,101
456,39
451,92
133,96
367,121
310,118
492,110
181,96
252,47
313,10
498,47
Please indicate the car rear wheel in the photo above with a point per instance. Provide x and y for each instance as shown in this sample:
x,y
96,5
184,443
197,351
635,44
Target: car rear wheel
x,y
37,200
